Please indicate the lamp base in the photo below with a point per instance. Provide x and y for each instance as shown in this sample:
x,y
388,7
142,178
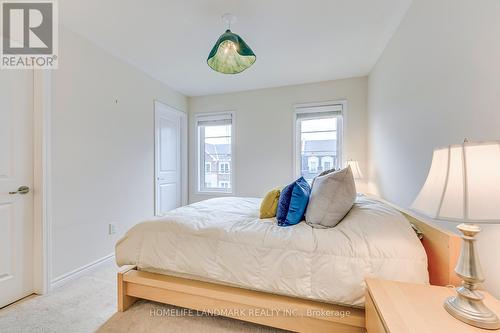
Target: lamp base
x,y
468,305
471,310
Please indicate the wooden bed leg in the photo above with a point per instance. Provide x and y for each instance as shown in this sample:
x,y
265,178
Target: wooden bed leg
x,y
124,301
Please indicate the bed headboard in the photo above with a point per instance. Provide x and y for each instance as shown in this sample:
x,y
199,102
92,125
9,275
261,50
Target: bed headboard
x,y
442,248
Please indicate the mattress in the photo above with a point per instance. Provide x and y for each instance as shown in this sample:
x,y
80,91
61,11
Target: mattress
x,y
223,240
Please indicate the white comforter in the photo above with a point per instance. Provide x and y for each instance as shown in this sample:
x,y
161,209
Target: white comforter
x,y
223,240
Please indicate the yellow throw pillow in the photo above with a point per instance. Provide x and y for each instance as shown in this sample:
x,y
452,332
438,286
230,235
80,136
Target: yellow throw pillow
x,y
269,204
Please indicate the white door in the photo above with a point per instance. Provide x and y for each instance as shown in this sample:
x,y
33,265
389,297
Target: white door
x,y
168,174
16,170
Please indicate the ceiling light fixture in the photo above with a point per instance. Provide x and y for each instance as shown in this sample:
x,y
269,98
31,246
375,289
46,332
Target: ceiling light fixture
x,y
230,54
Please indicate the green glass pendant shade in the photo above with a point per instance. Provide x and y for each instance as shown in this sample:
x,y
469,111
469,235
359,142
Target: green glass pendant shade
x,y
230,55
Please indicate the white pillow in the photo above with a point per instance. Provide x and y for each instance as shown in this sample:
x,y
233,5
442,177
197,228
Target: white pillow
x,y
332,196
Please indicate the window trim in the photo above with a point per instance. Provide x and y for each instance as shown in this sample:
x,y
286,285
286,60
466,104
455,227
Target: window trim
x,y
305,108
309,160
324,162
224,182
223,172
199,190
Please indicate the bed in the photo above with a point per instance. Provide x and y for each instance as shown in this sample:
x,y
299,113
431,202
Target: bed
x,y
218,256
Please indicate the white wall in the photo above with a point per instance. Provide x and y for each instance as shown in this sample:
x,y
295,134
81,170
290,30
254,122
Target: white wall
x,y
437,82
264,127
102,165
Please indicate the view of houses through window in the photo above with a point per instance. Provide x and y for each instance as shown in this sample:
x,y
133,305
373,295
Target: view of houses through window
x,y
319,143
215,154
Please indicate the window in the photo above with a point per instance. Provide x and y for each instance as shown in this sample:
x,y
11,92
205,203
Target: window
x,y
318,139
326,163
224,184
214,138
312,164
224,167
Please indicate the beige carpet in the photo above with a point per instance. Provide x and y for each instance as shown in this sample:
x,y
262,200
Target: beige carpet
x,y
88,304
153,317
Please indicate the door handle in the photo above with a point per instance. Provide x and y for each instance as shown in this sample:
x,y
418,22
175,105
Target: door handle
x,y
21,190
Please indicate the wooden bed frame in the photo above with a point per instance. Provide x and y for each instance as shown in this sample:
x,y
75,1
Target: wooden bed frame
x,y
290,313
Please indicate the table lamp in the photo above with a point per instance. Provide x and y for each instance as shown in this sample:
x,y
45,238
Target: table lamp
x,y
463,186
356,171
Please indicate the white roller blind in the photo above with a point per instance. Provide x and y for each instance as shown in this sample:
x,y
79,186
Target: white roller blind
x,y
311,112
214,119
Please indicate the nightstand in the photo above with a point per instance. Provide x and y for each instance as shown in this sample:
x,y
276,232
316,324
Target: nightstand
x,y
397,307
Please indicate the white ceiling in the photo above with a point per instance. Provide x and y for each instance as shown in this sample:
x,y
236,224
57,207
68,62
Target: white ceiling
x,y
295,41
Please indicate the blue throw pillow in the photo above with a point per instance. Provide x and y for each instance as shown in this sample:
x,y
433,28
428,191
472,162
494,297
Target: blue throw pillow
x,y
298,203
284,203
293,202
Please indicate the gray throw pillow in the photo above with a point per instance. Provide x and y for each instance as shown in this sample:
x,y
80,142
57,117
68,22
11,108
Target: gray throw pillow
x,y
332,196
326,172
322,174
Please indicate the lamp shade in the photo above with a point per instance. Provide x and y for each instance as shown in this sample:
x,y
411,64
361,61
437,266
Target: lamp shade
x,y
356,171
463,184
230,55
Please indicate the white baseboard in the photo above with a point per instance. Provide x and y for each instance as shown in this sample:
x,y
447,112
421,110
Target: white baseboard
x,y
65,278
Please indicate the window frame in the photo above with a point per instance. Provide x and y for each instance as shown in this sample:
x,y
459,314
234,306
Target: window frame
x,y
224,182
209,167
309,163
323,163
200,162
223,172
315,108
